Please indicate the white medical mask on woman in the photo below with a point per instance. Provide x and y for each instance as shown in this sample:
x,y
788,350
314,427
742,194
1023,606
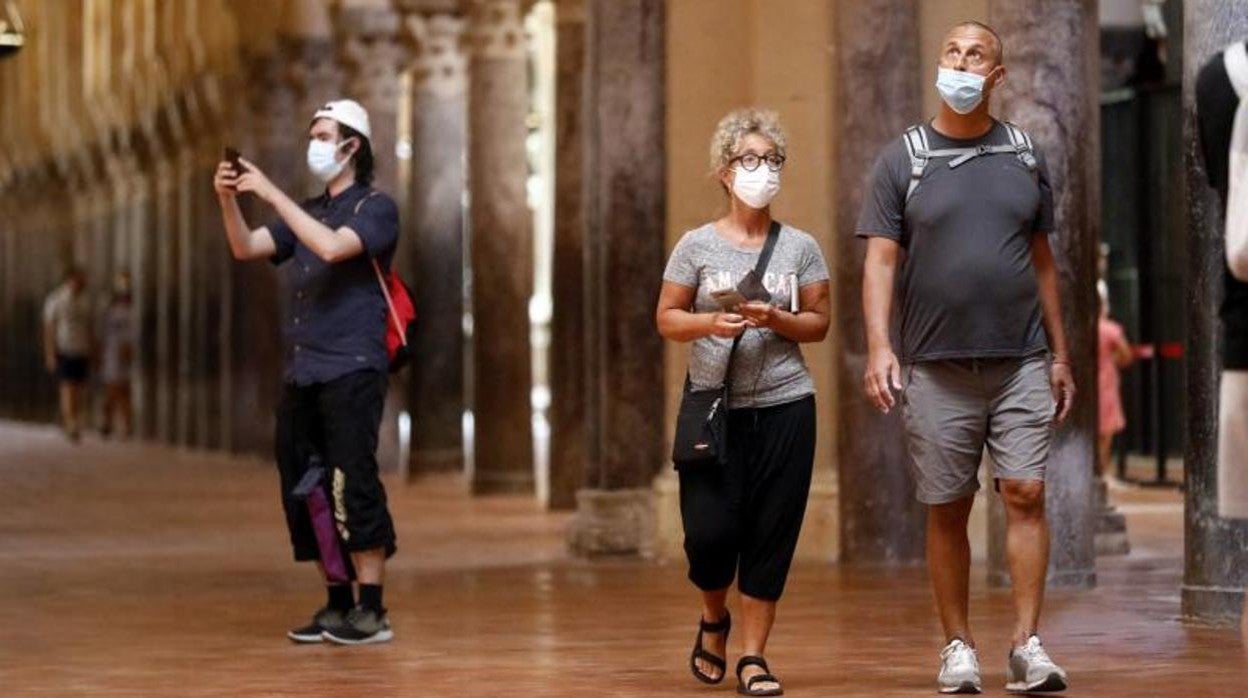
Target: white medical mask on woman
x,y
322,160
755,188
961,90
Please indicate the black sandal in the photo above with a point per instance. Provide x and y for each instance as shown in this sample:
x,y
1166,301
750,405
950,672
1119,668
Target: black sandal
x,y
723,626
747,688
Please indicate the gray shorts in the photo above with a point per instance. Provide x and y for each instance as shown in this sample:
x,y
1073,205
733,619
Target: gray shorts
x,y
952,409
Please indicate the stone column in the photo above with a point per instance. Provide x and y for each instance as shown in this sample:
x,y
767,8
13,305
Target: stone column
x,y
1054,95
880,519
567,371
1216,550
374,58
625,215
501,249
141,283
435,227
165,221
312,69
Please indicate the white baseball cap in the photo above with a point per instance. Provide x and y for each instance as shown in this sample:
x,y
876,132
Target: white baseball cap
x,y
347,112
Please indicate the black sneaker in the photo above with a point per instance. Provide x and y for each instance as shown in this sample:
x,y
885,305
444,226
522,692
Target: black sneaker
x,y
321,621
363,626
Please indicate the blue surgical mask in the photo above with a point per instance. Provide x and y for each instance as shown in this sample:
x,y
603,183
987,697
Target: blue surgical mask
x,y
323,160
961,90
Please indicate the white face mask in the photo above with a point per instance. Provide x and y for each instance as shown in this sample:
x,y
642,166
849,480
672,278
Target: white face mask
x,y
755,189
322,159
961,90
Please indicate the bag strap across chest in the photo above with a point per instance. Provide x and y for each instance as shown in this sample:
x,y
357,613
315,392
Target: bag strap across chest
x,y
381,281
760,268
921,152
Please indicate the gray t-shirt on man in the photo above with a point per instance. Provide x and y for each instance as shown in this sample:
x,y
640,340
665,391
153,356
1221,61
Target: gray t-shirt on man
x,y
767,369
968,287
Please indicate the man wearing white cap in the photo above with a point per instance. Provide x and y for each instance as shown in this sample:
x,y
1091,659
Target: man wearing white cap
x,y
334,382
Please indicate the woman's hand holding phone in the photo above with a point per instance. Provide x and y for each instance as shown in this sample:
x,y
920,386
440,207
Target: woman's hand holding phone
x,y
757,313
727,325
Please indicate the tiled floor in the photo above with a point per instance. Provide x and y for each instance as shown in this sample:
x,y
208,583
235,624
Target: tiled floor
x,y
141,571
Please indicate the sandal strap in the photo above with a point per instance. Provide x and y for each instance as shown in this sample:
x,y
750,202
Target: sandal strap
x,y
699,653
717,662
720,626
760,678
751,660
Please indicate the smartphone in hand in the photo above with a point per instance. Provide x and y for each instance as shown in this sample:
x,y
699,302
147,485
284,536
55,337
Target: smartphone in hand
x,y
753,289
728,298
232,155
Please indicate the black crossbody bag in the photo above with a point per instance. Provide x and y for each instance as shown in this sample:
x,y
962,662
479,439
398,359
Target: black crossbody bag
x,y
702,422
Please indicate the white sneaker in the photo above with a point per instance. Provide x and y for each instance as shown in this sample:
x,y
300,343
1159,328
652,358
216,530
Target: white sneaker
x,y
1030,670
959,668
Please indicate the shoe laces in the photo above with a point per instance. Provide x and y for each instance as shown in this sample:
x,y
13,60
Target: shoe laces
x,y
1033,651
958,653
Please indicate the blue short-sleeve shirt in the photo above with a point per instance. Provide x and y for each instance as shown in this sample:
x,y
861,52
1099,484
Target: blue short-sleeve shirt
x,y
334,315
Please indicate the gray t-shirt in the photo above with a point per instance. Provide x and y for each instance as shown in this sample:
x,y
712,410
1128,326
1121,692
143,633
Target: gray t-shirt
x,y
968,287
767,369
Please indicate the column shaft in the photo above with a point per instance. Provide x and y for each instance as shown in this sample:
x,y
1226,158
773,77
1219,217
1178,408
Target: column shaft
x,y
880,519
567,371
625,214
436,230
1053,93
1216,549
501,245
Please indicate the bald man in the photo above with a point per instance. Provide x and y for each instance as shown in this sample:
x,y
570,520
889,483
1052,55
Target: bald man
x,y
983,360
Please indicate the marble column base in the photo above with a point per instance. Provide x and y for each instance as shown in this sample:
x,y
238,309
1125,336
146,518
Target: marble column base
x,y
438,460
613,522
1111,525
389,449
1111,534
1213,605
669,543
502,482
819,542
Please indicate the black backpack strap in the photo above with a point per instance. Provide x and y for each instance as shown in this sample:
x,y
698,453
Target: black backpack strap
x,y
764,257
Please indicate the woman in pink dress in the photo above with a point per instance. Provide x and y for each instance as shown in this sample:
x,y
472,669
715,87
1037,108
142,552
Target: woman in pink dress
x,y
1114,353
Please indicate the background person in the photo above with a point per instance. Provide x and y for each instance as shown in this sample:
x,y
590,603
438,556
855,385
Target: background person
x,y
117,360
1113,354
69,345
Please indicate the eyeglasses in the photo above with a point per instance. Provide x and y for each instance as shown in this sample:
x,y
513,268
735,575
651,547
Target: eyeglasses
x,y
751,161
